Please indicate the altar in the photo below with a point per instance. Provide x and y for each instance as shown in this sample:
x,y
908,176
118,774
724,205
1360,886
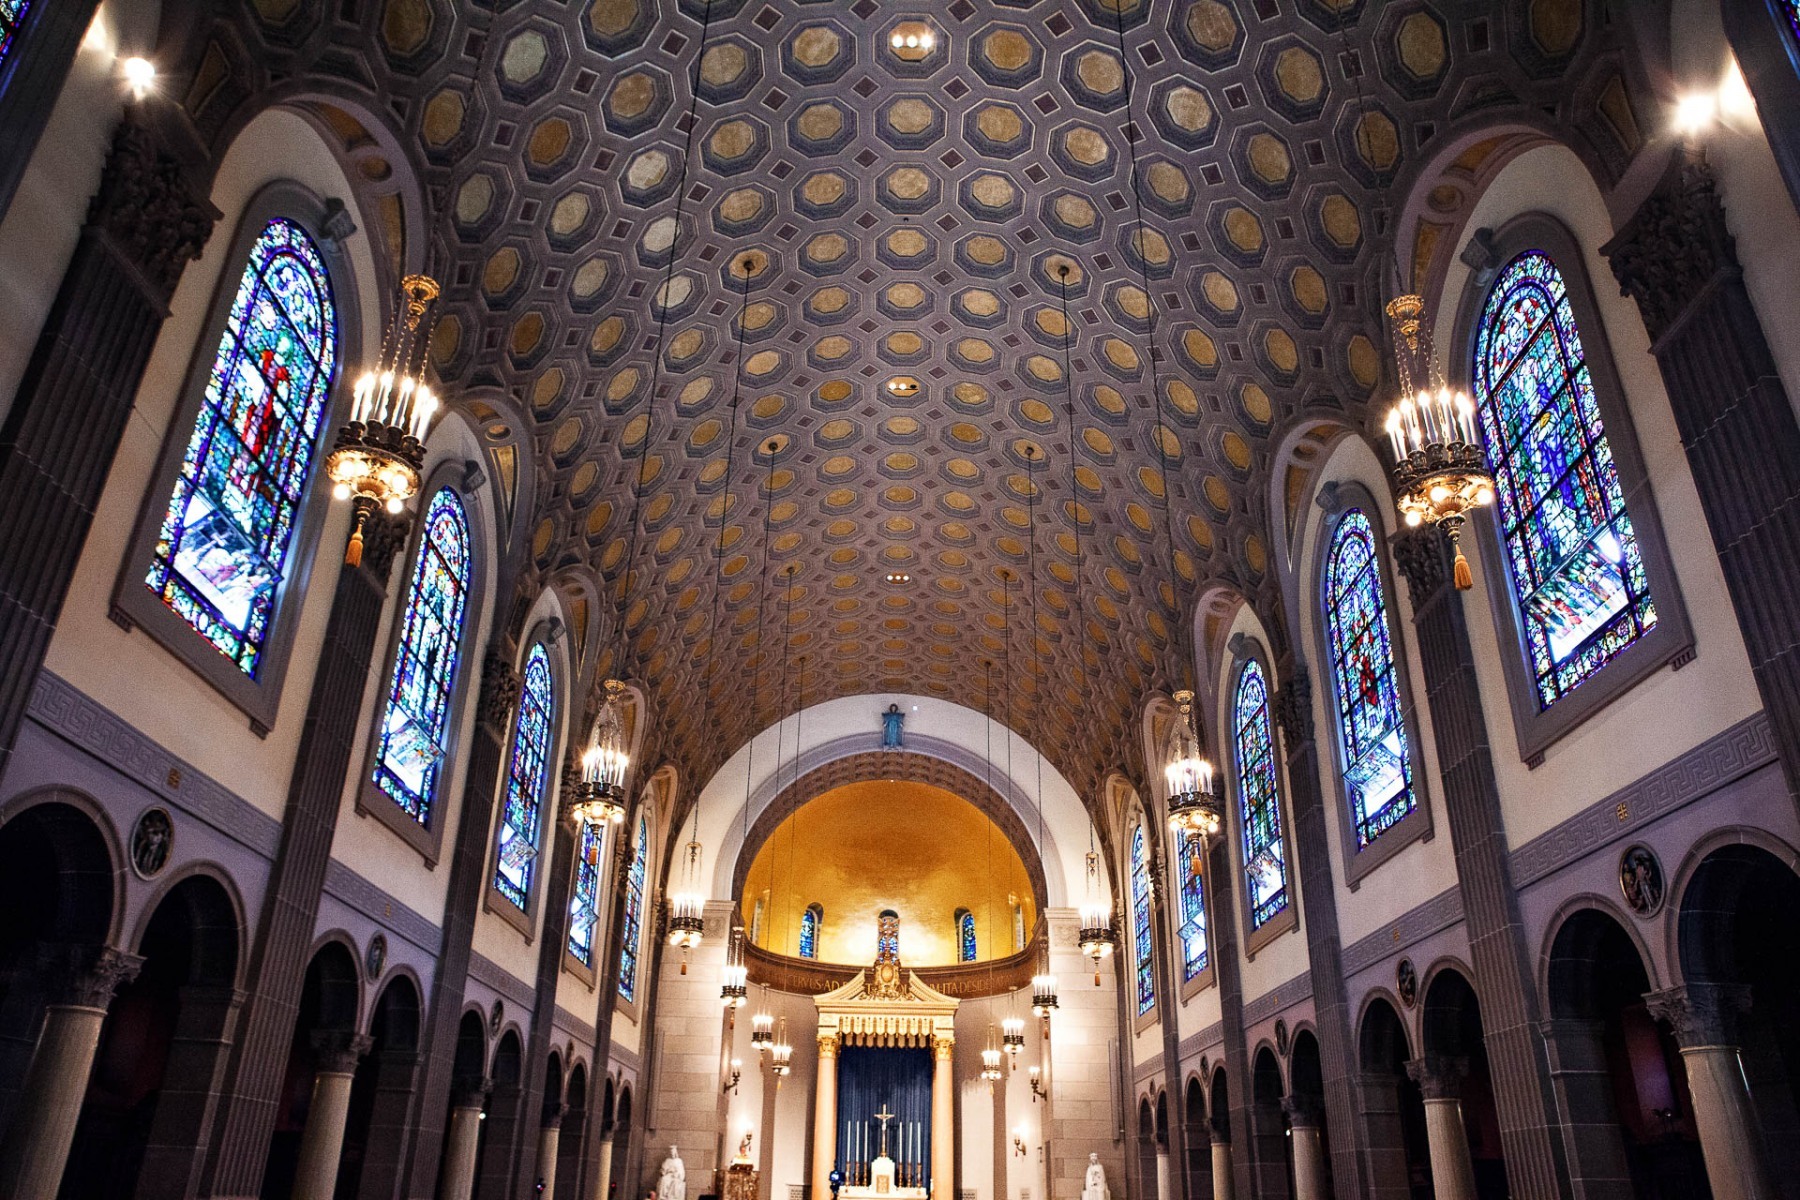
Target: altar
x,y
886,1043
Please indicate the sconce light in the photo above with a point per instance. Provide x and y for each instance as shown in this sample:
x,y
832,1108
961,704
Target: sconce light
x,y
1019,1142
737,1071
1038,1091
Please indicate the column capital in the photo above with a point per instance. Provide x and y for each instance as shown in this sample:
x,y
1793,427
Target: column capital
x,y
470,1092
1422,556
1293,707
1303,1112
553,1118
1439,1076
86,976
1701,1014
500,686
339,1050
149,207
1218,1132
943,1048
1673,246
828,1045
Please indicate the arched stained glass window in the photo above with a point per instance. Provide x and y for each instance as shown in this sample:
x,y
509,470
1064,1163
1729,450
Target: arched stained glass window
x,y
12,16
1576,566
415,730
1193,915
1792,8
222,550
1265,855
1371,729
515,861
809,931
965,936
634,914
1140,921
584,904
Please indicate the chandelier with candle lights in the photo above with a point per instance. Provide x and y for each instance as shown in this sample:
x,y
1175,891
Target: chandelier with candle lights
x,y
1194,808
1440,474
599,796
379,452
1097,935
687,907
734,987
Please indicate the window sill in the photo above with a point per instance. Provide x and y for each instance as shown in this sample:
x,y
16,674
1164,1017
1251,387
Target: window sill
x,y
1413,827
371,801
1285,921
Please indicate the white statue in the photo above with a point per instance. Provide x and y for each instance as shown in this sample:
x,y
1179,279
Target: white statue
x,y
672,1183
1094,1186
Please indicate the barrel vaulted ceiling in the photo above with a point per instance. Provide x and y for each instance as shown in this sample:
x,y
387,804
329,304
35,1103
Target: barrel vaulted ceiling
x,y
907,216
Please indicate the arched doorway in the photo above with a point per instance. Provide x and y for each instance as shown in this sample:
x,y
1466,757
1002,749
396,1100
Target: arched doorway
x,y
1271,1164
381,1097
1393,1109
623,1150
1455,1068
500,1131
542,1154
1197,1139
329,1000
1146,1172
135,1136
1219,1117
460,1158
1305,1107
573,1144
1740,958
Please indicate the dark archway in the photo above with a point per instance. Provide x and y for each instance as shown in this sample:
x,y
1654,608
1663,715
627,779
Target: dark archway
x,y
56,905
329,999
571,1149
1306,1096
138,1136
468,1084
1197,1139
501,1131
1146,1150
1736,931
1452,1033
1393,1109
622,1140
1271,1164
1219,1113
381,1097
549,1116
1617,1073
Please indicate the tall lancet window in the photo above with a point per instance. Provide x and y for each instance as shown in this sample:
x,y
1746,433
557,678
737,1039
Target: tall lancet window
x,y
1140,921
810,921
415,729
965,936
12,16
1265,859
516,858
1193,916
1576,567
584,904
1371,731
1792,7
633,916
222,552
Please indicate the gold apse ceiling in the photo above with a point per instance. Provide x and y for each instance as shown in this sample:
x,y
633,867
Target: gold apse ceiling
x,y
907,214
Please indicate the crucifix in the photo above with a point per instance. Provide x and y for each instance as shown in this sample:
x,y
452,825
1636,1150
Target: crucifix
x,y
884,1116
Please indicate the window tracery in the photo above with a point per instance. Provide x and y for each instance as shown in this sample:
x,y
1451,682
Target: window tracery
x,y
12,16
1576,565
1371,729
516,858
222,551
1259,800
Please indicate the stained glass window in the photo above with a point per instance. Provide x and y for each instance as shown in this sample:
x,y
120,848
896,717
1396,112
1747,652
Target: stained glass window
x,y
415,729
222,551
965,935
1792,8
584,905
1265,858
518,850
1577,569
12,15
1018,915
1377,760
1140,921
1193,915
634,914
809,931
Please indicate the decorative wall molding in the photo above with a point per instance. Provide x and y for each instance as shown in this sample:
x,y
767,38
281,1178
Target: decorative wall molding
x,y
347,887
624,1060
1432,917
1206,1039
568,1023
511,988
1285,996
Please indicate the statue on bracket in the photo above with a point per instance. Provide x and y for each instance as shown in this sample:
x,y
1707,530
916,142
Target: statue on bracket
x,y
893,733
1093,1187
671,1184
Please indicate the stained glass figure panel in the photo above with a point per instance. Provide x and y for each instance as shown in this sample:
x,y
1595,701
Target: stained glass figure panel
x,y
516,859
632,927
1140,922
415,729
584,904
1577,570
222,551
809,932
1792,8
965,935
1371,731
12,16
1193,913
1259,801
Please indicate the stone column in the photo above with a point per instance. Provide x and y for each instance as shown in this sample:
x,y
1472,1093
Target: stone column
x,y
1162,1173
1529,1123
1224,1185
943,1120
549,1142
1678,260
322,1142
458,1182
1378,1104
1309,1148
36,1147
1452,1172
825,1116
602,1169
1705,1018
1584,1095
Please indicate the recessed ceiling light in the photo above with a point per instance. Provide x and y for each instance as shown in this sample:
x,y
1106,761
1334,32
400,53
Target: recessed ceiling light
x,y
903,385
912,41
898,577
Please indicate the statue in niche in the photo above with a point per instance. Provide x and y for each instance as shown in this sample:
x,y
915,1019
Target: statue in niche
x,y
671,1184
1093,1187
892,732
743,1153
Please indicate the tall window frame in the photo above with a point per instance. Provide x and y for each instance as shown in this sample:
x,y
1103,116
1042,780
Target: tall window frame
x,y
968,946
1535,727
1193,934
579,948
426,836
526,790
32,74
134,605
1264,845
812,927
1765,39
1143,938
631,914
1339,498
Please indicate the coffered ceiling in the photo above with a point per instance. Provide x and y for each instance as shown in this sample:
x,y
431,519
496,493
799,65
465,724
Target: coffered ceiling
x,y
908,214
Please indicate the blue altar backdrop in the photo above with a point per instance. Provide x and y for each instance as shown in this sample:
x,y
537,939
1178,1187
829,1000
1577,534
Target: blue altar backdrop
x,y
892,1079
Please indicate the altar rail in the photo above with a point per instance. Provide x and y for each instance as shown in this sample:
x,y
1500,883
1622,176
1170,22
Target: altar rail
x,y
965,981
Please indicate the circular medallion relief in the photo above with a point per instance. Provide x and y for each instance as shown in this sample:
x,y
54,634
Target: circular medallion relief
x,y
496,1014
1406,982
1641,880
152,839
375,957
